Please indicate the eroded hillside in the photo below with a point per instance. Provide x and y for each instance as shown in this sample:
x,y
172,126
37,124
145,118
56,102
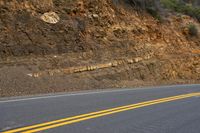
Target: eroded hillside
x,y
61,45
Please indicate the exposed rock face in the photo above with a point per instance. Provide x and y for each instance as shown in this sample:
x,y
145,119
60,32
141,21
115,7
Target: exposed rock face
x,y
23,33
34,5
81,26
85,33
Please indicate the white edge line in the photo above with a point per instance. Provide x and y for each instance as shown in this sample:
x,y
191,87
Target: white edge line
x,y
88,93
64,95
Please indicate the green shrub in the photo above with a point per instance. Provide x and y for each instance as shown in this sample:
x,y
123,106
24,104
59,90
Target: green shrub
x,y
154,13
150,6
192,29
157,7
182,7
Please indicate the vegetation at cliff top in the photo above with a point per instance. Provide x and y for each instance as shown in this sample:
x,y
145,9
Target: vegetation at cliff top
x,y
158,7
184,7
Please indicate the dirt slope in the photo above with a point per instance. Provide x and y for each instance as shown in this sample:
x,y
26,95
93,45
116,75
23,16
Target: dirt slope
x,y
91,44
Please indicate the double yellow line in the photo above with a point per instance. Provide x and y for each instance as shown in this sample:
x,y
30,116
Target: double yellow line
x,y
83,117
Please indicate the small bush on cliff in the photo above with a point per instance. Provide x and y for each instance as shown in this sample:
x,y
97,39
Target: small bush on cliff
x,y
151,6
192,29
151,10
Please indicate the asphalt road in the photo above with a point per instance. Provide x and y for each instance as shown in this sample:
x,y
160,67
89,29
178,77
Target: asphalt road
x,y
179,112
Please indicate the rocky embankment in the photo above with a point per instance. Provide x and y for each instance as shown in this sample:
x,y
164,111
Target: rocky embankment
x,y
56,46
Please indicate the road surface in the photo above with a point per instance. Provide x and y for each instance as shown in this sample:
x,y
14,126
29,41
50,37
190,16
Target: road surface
x,y
168,109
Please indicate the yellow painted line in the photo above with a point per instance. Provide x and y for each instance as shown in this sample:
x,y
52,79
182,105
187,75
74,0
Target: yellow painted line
x,y
79,118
